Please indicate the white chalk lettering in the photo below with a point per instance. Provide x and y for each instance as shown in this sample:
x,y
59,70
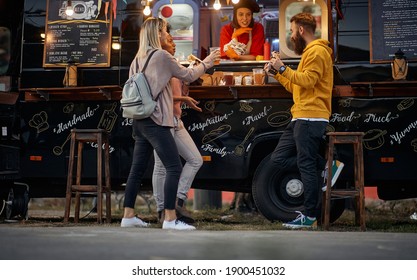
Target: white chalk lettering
x,y
220,151
75,120
94,145
337,117
399,135
253,118
210,121
370,117
127,122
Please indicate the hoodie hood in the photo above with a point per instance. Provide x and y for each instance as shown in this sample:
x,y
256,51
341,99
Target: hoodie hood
x,y
319,42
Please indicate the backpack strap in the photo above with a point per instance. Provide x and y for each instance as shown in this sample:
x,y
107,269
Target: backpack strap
x,y
144,68
147,61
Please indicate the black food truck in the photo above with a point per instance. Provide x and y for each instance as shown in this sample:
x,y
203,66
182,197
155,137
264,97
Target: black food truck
x,y
61,71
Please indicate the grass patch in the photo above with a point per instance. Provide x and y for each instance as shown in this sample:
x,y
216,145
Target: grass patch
x,y
381,216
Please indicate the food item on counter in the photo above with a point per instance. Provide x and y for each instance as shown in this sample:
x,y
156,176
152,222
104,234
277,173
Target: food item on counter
x,y
275,54
192,58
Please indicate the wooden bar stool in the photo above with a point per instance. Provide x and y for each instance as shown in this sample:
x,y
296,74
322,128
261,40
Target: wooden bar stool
x,y
82,136
354,138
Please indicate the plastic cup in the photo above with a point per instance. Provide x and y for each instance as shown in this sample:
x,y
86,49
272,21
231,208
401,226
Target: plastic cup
x,y
258,76
238,80
248,80
228,78
213,49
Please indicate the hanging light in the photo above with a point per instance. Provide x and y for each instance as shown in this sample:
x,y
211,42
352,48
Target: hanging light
x,y
147,10
217,5
69,11
235,1
116,46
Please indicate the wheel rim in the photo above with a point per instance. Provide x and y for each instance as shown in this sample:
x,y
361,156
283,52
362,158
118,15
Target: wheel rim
x,y
294,188
17,205
287,192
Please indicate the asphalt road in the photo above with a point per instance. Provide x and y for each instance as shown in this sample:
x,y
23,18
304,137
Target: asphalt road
x,y
101,242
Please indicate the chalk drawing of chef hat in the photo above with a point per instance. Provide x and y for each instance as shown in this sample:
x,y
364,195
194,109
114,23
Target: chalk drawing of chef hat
x,y
40,122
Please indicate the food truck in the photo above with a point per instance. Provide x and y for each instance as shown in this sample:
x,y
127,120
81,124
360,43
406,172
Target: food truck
x,y
60,72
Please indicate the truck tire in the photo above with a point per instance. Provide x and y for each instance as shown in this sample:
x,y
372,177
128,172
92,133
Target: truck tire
x,y
18,202
278,194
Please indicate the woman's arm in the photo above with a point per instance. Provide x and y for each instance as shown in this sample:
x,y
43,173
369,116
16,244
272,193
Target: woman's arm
x,y
225,37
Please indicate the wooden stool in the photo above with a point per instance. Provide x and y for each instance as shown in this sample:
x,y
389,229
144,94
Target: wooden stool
x,y
357,192
82,136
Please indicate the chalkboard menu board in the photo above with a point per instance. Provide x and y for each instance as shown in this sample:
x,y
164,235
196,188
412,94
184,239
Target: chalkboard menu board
x,y
83,38
393,25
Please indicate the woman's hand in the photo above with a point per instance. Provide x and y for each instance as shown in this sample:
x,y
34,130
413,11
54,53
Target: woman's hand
x,y
241,31
231,54
192,103
209,60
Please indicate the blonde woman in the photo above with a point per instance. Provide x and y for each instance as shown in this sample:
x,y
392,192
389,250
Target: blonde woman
x,y
153,133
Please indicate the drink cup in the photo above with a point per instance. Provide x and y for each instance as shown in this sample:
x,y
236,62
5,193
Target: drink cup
x,y
228,78
258,76
248,80
238,80
213,49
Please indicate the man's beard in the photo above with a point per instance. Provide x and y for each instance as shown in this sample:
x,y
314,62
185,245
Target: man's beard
x,y
299,44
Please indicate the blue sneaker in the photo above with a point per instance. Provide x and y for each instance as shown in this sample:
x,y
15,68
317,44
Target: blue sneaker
x,y
301,222
337,167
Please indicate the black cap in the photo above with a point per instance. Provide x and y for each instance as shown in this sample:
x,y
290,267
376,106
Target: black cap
x,y
399,54
250,4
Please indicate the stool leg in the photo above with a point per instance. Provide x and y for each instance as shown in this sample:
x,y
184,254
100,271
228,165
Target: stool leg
x,y
99,178
361,185
78,181
69,179
77,207
107,178
329,184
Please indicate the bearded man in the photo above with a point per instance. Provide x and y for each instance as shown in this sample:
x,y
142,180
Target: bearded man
x,y
311,86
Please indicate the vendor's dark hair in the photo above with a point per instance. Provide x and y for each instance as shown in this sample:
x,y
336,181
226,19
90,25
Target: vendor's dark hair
x,y
235,24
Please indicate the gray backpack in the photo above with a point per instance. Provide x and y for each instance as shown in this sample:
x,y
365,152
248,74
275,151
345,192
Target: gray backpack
x,y
137,101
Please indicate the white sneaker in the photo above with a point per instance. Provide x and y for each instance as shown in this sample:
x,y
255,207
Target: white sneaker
x,y
413,216
133,222
177,225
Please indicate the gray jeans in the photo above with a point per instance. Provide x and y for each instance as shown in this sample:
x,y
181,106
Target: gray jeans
x,y
193,161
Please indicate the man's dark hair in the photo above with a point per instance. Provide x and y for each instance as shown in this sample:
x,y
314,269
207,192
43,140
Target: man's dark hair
x,y
305,20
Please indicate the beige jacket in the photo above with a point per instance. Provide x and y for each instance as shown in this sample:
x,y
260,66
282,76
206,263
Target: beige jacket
x,y
161,68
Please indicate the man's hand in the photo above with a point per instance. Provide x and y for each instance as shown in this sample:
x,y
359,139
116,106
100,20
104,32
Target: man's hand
x,y
241,31
276,62
269,70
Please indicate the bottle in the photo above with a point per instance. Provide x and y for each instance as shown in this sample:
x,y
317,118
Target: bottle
x,y
267,50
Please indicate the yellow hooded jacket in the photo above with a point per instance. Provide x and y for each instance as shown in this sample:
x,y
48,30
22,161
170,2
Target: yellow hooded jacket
x,y
311,85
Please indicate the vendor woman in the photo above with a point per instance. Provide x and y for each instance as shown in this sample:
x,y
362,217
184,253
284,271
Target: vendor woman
x,y
243,38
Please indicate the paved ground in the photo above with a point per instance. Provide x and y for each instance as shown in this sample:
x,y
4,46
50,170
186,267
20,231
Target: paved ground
x,y
112,242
